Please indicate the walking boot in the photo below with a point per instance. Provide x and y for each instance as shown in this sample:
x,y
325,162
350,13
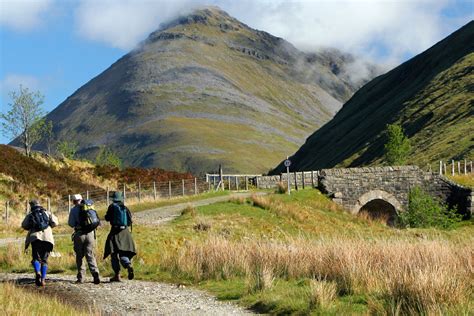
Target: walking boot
x,y
131,275
43,282
115,278
95,275
38,279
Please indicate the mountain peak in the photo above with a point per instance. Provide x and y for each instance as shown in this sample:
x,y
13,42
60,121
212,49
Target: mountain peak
x,y
207,15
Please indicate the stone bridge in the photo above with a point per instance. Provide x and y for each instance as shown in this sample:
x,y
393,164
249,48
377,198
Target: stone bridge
x,y
383,191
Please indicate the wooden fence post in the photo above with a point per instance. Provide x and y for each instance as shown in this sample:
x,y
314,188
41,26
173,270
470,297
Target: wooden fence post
x,y
69,203
312,179
302,179
107,197
237,182
48,200
214,182
465,166
87,194
7,204
139,191
471,166
459,167
195,186
246,183
182,183
452,167
154,190
228,179
441,167
445,170
256,182
296,181
169,189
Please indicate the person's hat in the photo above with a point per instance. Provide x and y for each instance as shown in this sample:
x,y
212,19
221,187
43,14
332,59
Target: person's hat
x,y
76,197
34,203
117,197
88,202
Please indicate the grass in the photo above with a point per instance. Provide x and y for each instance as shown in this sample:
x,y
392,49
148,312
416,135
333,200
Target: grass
x,y
464,180
297,254
32,303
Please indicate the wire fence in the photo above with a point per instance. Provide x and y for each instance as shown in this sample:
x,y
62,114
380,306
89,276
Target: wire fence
x,y
132,193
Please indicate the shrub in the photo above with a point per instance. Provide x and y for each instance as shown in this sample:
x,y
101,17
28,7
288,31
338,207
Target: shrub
x,y
425,211
282,188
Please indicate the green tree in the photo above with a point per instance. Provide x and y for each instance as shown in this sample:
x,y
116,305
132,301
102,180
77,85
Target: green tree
x,y
425,211
106,157
398,145
25,118
48,135
67,149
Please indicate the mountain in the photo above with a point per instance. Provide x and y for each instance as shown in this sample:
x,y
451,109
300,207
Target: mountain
x,y
431,96
206,89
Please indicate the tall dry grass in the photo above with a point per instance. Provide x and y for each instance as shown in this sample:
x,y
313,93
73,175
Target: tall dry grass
x,y
423,276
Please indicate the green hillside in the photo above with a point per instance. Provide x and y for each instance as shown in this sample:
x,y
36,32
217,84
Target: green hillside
x,y
205,90
431,96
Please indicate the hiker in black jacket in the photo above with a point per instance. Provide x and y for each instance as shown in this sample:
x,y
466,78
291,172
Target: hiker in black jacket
x,y
119,244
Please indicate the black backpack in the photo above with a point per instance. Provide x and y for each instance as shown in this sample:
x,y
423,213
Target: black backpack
x,y
88,218
39,219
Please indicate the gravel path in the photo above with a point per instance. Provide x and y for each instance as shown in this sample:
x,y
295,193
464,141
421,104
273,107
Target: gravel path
x,y
135,297
167,213
129,297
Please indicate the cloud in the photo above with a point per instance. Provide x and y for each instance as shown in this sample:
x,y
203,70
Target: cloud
x,y
124,23
23,15
382,30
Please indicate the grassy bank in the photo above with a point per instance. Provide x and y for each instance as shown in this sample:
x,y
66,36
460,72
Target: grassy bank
x,y
31,303
298,254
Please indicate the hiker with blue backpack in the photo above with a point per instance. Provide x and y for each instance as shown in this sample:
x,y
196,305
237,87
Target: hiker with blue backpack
x,y
39,223
84,219
119,245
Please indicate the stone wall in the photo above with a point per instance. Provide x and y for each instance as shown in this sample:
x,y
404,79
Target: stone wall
x,y
269,182
353,187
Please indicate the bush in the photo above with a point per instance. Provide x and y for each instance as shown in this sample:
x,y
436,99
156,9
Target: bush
x,y
282,188
425,211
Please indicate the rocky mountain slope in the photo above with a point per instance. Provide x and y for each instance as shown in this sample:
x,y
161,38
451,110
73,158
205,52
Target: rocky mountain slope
x,y
206,89
431,95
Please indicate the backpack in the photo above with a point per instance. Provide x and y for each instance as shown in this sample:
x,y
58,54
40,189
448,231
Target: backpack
x,y
120,217
39,219
88,218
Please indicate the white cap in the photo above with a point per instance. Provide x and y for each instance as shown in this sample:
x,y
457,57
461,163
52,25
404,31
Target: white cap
x,y
76,197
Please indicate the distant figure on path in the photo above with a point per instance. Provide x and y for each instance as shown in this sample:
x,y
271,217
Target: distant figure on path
x,y
83,238
119,244
38,222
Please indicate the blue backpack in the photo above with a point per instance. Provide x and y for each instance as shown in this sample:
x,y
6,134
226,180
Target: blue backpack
x,y
88,218
120,217
39,220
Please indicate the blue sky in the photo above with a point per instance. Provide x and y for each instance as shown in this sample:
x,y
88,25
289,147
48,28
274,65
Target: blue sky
x,y
57,46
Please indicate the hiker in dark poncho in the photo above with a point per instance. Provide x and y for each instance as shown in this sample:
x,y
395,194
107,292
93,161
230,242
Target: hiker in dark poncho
x,y
119,244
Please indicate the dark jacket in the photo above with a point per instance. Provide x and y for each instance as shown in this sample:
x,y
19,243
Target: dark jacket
x,y
119,240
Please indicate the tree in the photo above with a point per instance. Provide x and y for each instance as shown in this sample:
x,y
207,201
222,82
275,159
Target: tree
x,y
67,149
25,118
398,145
48,134
107,157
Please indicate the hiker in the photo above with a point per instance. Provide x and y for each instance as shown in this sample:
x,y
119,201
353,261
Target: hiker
x,y
119,244
38,222
84,224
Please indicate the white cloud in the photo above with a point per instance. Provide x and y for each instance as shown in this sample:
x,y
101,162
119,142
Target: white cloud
x,y
124,23
23,15
384,30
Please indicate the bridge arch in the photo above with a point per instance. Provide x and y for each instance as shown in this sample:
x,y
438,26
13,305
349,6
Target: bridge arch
x,y
378,204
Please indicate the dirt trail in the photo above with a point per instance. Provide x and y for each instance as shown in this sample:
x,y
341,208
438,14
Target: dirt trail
x,y
129,297
134,297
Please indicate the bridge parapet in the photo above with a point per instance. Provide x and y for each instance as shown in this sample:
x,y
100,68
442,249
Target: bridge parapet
x,y
354,187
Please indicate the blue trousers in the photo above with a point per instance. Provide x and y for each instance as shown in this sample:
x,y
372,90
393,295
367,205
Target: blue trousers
x,y
120,258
